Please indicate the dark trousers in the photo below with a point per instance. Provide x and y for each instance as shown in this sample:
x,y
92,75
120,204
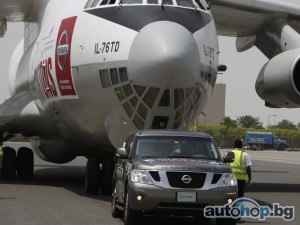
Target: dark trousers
x,y
241,188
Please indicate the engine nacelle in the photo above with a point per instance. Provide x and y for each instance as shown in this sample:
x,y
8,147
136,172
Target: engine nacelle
x,y
278,82
51,150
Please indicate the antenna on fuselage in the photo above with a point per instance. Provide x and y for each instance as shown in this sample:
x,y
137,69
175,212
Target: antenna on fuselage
x,y
209,5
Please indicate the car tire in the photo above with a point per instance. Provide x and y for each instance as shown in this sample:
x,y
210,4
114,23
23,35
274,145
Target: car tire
x,y
225,221
131,217
281,147
115,212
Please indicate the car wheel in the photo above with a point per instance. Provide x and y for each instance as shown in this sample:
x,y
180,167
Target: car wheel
x,y
281,148
225,221
131,217
115,212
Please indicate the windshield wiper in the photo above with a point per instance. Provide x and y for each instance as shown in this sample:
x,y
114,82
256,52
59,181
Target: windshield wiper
x,y
149,156
178,156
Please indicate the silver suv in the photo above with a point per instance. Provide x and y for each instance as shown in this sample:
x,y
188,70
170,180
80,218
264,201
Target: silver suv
x,y
170,173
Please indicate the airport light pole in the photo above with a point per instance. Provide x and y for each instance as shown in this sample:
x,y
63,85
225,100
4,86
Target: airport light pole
x,y
273,119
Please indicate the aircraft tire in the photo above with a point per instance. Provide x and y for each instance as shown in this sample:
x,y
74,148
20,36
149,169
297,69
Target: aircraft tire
x,y
25,163
92,172
8,170
108,167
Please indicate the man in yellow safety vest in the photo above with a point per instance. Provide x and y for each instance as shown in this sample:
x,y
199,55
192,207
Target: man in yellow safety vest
x,y
241,167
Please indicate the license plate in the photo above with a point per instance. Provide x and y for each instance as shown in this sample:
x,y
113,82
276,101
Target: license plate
x,y
186,197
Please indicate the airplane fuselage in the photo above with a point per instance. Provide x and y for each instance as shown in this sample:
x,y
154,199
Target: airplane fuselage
x,y
98,73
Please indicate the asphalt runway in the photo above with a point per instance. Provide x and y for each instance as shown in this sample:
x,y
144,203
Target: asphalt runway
x,y
56,196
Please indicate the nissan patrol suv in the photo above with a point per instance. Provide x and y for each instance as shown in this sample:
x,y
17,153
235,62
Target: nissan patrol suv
x,y
170,172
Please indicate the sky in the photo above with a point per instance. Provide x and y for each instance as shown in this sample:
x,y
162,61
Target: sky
x,y
242,71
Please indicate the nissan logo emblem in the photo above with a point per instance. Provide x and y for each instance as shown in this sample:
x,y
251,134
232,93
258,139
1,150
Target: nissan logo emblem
x,y
63,50
186,179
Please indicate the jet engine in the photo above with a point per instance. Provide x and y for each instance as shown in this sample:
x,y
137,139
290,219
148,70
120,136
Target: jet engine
x,y
278,82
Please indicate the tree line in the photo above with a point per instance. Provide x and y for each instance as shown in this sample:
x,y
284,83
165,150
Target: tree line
x,y
230,129
248,121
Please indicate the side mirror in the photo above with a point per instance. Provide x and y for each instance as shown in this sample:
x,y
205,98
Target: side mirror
x,y
228,157
121,153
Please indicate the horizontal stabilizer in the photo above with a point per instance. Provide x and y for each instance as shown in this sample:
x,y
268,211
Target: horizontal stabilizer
x,y
15,10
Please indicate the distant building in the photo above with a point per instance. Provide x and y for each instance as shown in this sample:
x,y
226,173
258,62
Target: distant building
x,y
215,109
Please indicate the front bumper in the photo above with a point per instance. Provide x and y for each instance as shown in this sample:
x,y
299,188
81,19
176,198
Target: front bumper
x,y
144,197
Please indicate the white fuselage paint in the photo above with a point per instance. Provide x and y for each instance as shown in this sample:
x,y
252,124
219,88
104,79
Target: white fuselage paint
x,y
62,71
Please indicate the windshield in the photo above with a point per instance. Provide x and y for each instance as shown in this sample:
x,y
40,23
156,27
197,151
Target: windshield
x,y
175,147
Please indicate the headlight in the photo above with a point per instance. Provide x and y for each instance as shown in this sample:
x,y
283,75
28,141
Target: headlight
x,y
228,180
140,176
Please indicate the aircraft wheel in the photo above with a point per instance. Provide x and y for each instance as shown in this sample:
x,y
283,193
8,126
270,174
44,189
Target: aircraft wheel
x,y
8,170
108,167
92,172
25,163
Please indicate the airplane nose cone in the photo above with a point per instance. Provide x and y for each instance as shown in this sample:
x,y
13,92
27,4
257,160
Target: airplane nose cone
x,y
164,54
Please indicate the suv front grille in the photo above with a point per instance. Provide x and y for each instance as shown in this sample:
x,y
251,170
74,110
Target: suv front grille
x,y
186,180
216,178
155,175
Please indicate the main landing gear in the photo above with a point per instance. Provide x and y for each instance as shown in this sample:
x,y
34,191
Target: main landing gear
x,y
18,165
99,177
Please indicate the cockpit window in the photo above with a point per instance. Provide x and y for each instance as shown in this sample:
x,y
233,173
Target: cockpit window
x,y
167,2
132,1
201,4
88,4
185,3
152,1
104,2
95,3
205,4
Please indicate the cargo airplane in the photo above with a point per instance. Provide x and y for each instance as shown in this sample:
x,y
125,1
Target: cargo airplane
x,y
88,72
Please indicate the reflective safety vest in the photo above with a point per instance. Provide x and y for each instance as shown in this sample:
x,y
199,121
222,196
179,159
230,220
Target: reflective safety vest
x,y
239,165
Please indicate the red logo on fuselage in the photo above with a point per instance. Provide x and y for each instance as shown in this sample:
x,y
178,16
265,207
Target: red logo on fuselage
x,y
63,57
46,82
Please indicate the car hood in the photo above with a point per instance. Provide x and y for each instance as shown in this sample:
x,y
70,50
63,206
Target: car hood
x,y
171,164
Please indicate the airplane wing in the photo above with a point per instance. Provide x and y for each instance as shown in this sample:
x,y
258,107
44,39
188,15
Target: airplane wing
x,y
19,11
242,18
273,26
20,115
